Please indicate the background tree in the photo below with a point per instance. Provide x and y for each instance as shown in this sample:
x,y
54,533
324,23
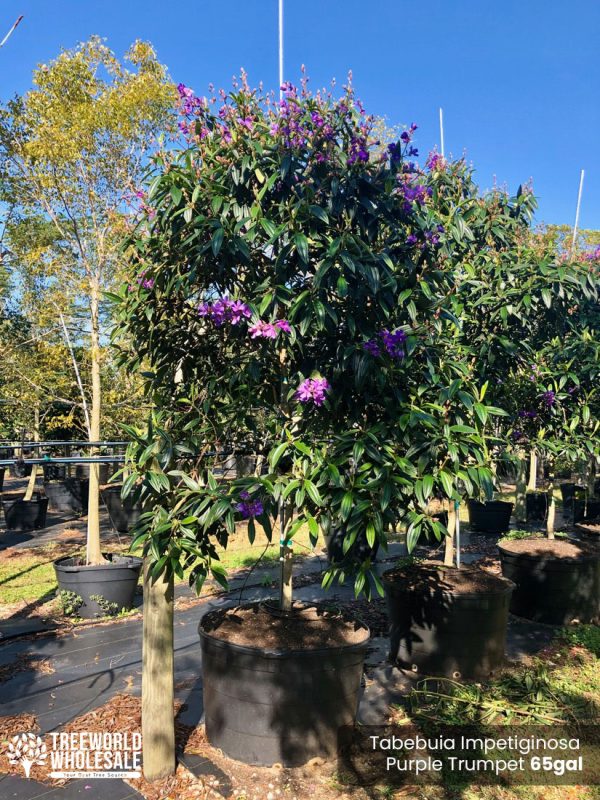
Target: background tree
x,y
72,148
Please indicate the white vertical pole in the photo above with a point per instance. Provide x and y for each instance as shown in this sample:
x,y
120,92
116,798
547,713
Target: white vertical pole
x,y
577,211
11,31
442,132
280,49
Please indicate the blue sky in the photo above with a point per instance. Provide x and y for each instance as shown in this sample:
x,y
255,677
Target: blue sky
x,y
518,80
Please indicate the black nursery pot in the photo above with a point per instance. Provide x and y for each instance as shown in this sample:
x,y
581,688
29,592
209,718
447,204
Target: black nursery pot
x,y
123,513
584,511
114,582
55,472
25,515
567,491
442,630
278,706
490,517
357,554
536,506
553,590
68,496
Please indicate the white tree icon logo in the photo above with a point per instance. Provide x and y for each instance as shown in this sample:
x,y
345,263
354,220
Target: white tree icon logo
x,y
27,749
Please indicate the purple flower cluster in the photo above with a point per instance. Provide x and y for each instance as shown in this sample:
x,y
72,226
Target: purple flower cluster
x,y
249,508
549,397
313,390
524,414
407,135
358,150
225,310
411,192
269,330
535,373
189,104
592,255
393,344
435,162
145,283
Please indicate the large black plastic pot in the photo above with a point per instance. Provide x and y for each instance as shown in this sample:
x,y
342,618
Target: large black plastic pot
x,y
567,491
550,589
536,506
442,630
490,517
583,510
68,496
25,515
20,470
112,585
358,552
123,513
55,472
278,706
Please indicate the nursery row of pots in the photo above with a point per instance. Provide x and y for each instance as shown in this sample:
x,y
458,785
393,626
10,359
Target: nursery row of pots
x,y
268,704
69,496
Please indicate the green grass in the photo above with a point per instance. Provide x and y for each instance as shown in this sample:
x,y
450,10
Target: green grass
x,y
28,577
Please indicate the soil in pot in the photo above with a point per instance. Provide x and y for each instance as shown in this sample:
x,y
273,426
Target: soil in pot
x,y
557,580
97,590
25,515
123,513
536,506
446,621
69,496
277,687
491,517
590,530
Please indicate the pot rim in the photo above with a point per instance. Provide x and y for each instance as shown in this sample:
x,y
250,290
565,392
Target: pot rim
x,y
282,653
135,562
509,586
12,501
472,500
590,556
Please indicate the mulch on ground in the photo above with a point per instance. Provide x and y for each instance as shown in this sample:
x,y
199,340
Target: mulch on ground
x,y
224,778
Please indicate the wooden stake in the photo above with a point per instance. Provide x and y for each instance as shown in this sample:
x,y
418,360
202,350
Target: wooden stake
x,y
521,489
158,715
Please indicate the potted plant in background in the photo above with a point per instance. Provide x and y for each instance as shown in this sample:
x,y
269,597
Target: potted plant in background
x,y
558,580
28,512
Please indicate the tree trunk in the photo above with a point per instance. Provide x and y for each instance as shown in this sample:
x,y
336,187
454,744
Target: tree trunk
x,y
533,464
449,544
591,477
94,553
551,505
285,561
158,716
521,489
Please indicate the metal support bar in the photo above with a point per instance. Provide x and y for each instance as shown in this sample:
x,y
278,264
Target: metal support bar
x,y
73,460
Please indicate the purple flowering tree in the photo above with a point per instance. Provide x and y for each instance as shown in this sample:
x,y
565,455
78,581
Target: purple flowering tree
x,y
295,299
